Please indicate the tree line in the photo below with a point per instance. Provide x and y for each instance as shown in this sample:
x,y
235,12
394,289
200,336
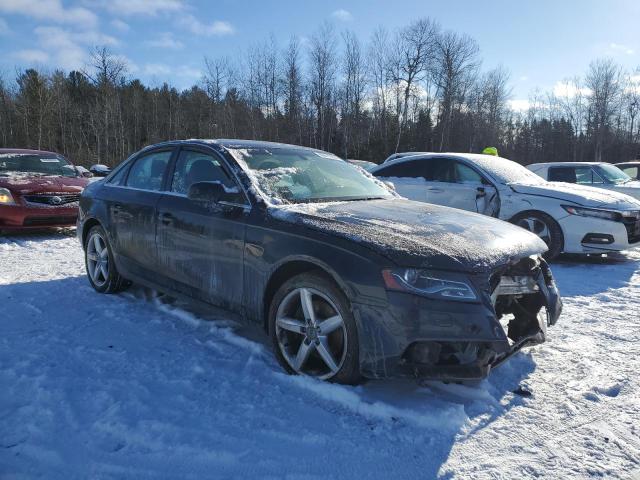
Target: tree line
x,y
419,88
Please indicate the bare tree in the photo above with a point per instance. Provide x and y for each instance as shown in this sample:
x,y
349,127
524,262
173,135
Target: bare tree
x,y
456,65
354,73
291,85
323,67
414,54
604,82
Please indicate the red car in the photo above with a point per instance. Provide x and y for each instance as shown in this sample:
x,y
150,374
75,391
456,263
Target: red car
x,y
38,190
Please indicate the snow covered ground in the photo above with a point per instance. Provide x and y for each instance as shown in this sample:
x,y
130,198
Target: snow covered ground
x,y
131,386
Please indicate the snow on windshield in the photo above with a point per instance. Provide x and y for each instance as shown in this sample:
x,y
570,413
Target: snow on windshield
x,y
283,175
506,171
34,164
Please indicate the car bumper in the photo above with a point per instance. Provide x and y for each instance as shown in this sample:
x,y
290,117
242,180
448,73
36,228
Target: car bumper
x,y
20,217
593,235
430,339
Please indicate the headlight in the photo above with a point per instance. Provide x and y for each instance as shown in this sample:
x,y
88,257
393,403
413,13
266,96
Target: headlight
x,y
430,284
594,212
6,198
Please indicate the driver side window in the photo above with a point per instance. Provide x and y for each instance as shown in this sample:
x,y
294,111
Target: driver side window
x,y
193,166
467,175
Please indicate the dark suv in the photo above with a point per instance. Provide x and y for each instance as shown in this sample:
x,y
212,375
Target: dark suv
x,y
347,278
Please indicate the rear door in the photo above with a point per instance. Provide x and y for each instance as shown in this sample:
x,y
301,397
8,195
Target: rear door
x,y
132,211
200,247
408,178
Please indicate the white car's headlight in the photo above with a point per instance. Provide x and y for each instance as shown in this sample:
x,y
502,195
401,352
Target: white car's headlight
x,y
594,212
438,285
6,198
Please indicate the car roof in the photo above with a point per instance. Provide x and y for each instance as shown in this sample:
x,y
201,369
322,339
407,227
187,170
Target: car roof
x,y
630,163
231,143
404,157
26,151
566,164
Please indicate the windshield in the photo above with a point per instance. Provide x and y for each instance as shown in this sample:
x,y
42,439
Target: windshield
x,y
295,175
35,164
612,173
507,171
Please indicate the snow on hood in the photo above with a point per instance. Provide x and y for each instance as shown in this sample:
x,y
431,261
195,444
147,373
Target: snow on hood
x,y
416,234
26,184
580,194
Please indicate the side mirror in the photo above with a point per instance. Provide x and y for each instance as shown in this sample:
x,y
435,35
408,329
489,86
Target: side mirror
x,y
87,174
206,192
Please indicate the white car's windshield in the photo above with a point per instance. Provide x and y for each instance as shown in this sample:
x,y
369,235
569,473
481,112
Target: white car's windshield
x,y
35,164
296,175
612,173
507,171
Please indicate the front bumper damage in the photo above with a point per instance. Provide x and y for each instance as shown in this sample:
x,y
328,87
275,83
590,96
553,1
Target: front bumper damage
x,y
447,340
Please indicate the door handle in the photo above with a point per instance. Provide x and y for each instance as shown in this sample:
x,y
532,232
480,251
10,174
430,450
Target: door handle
x,y
435,190
165,218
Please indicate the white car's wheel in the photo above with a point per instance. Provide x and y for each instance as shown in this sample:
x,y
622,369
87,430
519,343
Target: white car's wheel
x,y
545,227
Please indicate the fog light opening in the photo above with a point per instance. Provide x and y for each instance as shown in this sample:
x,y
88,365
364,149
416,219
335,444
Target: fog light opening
x,y
598,238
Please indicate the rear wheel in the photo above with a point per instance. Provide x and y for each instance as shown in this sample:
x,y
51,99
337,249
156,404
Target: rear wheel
x,y
313,330
101,269
545,227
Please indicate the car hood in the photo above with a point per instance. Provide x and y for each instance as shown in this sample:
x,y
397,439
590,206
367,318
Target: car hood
x,y
579,194
416,234
27,184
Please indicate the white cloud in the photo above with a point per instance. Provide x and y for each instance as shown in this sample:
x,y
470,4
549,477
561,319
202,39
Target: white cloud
x,y
342,15
69,48
519,105
621,49
186,71
217,28
141,7
156,69
165,40
523,78
569,90
50,10
120,25
32,56
4,27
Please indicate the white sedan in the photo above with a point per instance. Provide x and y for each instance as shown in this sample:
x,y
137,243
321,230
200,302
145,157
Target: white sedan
x,y
569,218
592,174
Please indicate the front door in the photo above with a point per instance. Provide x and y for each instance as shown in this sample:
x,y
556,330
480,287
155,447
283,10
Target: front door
x,y
201,247
455,184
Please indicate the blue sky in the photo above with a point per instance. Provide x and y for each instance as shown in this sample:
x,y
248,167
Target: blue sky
x,y
540,42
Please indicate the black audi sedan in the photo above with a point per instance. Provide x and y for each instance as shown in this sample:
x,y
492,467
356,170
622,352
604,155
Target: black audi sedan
x,y
348,279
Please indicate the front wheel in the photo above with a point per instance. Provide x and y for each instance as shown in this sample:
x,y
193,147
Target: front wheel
x,y
313,330
101,268
545,227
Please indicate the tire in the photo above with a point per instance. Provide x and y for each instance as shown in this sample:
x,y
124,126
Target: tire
x,y
299,342
95,244
546,228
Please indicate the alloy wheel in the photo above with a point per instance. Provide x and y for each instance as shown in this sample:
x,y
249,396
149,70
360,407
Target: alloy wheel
x,y
537,226
311,333
97,259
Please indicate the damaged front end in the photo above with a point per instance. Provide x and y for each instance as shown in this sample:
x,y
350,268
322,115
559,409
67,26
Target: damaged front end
x,y
457,340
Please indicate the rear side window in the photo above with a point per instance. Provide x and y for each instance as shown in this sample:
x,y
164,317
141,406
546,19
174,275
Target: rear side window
x,y
411,169
118,177
148,171
194,166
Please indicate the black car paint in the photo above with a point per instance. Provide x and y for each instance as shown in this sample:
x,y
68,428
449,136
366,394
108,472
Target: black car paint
x,y
235,256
